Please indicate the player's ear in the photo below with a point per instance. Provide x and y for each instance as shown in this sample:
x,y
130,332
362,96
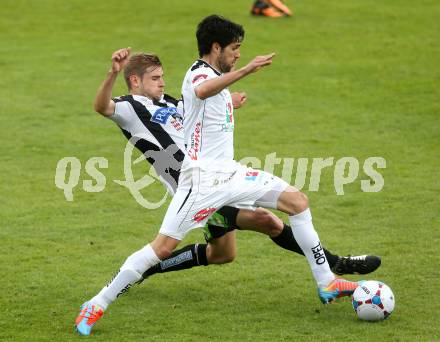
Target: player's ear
x,y
134,81
216,48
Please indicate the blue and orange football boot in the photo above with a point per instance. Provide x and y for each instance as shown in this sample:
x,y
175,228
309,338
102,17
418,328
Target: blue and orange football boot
x,y
336,289
88,316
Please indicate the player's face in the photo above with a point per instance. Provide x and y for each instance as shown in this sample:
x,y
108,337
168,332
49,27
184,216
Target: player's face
x,y
152,84
229,55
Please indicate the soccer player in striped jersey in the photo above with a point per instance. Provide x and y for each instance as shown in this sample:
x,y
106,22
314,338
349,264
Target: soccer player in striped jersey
x,y
153,121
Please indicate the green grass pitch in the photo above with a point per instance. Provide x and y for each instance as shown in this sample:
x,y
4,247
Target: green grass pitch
x,y
350,79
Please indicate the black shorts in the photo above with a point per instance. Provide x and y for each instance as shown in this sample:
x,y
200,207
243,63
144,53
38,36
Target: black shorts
x,y
221,222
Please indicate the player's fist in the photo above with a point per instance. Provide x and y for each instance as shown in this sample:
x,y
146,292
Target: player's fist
x,y
120,59
238,99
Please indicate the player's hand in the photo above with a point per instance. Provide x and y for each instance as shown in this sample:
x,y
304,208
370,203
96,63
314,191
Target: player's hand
x,y
120,59
259,62
238,99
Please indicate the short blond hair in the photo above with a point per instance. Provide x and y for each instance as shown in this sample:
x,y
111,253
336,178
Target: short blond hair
x,y
138,64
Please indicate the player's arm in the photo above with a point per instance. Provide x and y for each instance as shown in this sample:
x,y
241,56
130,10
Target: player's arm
x,y
103,101
216,85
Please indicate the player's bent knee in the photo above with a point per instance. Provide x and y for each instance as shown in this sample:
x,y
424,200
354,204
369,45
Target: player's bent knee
x,y
302,202
294,203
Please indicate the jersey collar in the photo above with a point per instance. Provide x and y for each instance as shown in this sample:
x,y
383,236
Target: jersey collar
x,y
201,61
160,103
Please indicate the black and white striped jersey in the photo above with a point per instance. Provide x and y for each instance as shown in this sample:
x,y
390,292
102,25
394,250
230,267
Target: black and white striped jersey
x,y
156,129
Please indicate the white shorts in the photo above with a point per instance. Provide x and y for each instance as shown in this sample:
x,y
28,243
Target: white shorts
x,y
202,192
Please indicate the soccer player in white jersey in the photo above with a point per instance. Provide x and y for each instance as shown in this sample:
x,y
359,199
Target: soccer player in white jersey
x,y
211,178
153,119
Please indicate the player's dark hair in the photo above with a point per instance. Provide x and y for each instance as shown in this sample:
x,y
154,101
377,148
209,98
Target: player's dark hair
x,y
216,29
138,65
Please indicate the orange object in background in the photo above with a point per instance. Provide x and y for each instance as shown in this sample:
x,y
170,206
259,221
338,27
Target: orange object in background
x,y
270,8
278,4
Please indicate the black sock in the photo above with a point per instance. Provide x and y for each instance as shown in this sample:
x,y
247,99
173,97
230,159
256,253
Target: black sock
x,y
186,257
331,258
287,241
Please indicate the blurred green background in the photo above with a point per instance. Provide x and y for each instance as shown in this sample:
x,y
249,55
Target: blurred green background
x,y
350,78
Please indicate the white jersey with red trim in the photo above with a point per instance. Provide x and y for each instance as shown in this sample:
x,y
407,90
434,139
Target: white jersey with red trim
x,y
209,123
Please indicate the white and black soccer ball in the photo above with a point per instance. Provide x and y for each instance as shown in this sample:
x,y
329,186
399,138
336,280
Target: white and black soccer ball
x,y
373,301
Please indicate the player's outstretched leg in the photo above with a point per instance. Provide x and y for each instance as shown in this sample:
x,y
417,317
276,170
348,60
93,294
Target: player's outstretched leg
x,y
129,273
296,205
219,250
340,265
184,258
263,221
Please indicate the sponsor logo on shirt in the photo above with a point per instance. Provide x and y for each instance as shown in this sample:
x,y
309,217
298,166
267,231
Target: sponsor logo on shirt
x,y
199,77
195,141
229,115
204,213
162,114
176,123
228,126
251,175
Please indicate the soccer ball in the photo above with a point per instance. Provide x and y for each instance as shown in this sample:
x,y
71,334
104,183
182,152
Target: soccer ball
x,y
373,301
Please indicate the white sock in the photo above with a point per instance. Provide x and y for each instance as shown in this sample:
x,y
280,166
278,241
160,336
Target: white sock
x,y
308,239
130,272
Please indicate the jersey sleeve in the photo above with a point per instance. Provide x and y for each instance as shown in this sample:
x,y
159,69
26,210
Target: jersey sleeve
x,y
123,113
200,75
